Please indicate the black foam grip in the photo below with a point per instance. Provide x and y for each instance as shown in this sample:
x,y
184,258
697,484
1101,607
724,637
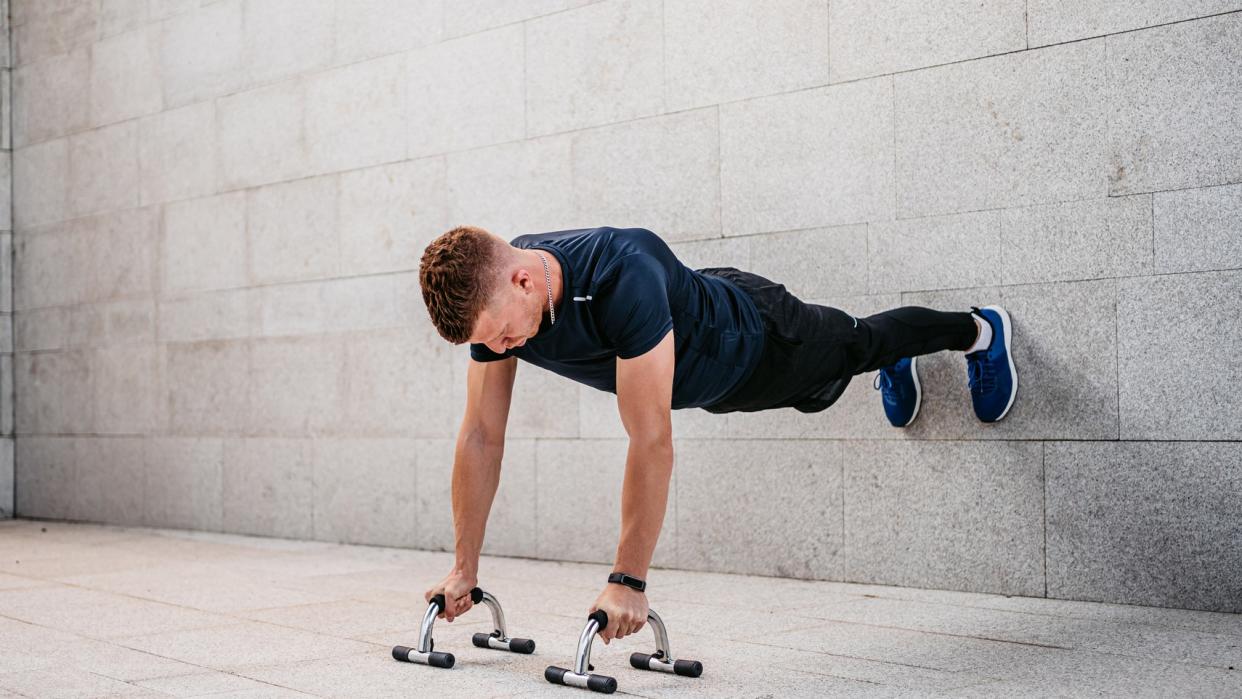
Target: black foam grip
x,y
640,661
476,595
600,616
438,599
522,645
480,640
444,660
555,675
688,668
601,683
401,653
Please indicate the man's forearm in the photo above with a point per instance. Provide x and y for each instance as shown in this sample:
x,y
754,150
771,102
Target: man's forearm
x,y
476,475
644,498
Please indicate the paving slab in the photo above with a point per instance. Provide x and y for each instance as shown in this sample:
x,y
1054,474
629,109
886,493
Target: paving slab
x,y
159,613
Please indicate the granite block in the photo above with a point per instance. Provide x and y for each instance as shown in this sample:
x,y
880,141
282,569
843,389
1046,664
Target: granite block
x,y
1196,229
177,153
47,97
40,184
937,252
292,230
48,268
45,482
127,390
121,253
1168,389
268,487
281,38
103,169
184,485
1014,130
389,214
787,524
465,93
470,16
1054,22
364,491
578,487
715,252
808,159
369,28
261,135
53,392
1077,240
208,383
125,76
61,27
957,515
572,84
1145,523
201,53
109,480
392,386
722,52
514,188
355,116
1174,107
814,263
867,39
220,315
659,173
204,244
296,385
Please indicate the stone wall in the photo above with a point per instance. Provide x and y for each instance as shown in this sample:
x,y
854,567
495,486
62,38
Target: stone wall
x,y
220,206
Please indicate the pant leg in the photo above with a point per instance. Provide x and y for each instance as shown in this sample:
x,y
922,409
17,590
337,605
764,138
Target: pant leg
x,y
909,331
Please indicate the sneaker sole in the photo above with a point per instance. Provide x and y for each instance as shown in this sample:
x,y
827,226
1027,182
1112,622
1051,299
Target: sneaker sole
x,y
1013,371
918,391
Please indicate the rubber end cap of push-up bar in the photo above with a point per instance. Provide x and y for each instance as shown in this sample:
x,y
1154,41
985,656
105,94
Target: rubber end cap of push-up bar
x,y
444,660
602,684
688,668
522,645
401,653
554,674
476,595
601,617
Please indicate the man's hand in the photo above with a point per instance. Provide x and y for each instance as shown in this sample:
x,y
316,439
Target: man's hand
x,y
456,587
626,609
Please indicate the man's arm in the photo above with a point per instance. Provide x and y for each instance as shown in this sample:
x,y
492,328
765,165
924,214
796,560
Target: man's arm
x,y
476,474
644,399
476,461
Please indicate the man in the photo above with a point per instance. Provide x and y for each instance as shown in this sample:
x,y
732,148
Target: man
x,y
613,308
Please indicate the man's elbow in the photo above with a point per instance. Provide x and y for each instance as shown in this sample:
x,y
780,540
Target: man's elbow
x,y
653,441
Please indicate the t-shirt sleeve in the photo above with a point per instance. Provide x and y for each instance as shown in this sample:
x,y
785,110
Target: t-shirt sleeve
x,y
480,353
638,315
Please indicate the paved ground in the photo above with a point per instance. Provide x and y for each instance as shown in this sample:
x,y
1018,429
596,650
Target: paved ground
x,y
91,611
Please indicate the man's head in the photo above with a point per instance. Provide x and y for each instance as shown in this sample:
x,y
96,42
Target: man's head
x,y
478,288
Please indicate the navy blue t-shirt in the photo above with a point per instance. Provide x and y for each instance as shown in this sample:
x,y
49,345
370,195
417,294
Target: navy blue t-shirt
x,y
624,289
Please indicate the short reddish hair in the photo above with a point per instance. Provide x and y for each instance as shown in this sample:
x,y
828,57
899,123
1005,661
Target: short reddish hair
x,y
458,274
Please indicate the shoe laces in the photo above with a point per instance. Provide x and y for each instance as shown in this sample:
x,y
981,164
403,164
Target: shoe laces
x,y
981,373
884,383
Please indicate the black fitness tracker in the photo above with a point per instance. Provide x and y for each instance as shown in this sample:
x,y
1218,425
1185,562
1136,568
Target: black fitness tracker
x,y
627,580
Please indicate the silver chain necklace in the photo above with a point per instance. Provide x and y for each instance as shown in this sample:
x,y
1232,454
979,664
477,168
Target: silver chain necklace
x,y
547,278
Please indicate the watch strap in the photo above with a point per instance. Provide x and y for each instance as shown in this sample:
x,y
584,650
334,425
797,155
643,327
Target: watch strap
x,y
628,581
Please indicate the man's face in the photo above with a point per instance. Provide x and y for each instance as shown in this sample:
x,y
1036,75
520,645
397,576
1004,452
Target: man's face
x,y
512,318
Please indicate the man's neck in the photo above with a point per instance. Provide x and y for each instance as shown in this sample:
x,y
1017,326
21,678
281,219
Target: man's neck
x,y
554,269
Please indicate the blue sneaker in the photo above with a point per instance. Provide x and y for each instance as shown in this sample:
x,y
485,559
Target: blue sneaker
x,y
991,373
899,386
